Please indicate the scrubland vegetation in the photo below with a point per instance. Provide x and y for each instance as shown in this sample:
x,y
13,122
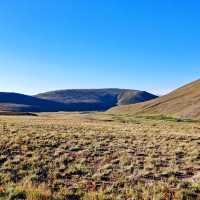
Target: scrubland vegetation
x,y
89,156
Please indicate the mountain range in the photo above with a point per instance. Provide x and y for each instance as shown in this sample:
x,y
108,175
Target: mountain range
x,y
72,100
183,102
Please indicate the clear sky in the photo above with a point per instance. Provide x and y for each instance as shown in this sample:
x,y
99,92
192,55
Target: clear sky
x,y
151,45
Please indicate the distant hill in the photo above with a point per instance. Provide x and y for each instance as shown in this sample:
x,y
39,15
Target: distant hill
x,y
96,99
183,102
14,102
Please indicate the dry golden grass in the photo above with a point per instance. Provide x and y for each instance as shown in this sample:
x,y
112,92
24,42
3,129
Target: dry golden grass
x,y
98,156
183,102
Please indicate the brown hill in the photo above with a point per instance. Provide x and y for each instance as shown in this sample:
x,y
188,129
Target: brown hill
x,y
183,102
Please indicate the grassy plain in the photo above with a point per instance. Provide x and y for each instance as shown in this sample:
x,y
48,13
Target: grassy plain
x,y
98,156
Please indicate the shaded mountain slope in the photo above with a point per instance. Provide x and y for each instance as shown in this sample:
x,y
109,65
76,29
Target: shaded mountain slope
x,y
15,102
183,102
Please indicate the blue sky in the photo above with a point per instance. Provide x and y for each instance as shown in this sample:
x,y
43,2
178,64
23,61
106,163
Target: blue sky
x,y
151,45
